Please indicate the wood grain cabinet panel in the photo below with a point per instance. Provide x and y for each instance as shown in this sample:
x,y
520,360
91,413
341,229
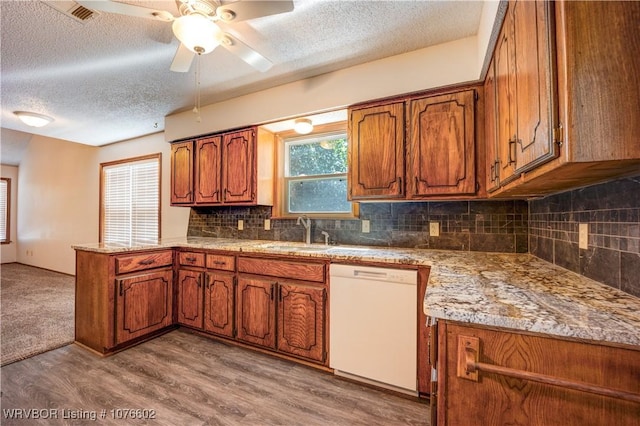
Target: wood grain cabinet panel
x,y
219,303
227,170
239,167
182,172
376,138
565,116
441,155
290,269
301,312
143,304
139,262
498,399
208,155
256,311
189,298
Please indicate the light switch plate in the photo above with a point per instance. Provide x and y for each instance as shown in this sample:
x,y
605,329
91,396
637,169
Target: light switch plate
x,y
366,226
583,236
240,224
434,229
267,224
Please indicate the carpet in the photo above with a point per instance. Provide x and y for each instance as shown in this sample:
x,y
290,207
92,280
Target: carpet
x,y
36,311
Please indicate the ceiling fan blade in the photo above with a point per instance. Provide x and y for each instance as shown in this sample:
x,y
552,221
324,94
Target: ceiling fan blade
x,y
244,52
127,9
182,60
247,9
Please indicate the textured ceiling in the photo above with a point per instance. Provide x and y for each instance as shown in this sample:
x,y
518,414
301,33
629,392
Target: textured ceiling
x,y
108,79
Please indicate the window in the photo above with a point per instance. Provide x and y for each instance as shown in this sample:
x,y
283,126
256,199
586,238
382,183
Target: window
x,y
315,175
130,200
5,210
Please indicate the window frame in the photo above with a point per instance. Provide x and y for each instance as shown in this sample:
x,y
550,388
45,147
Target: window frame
x,y
7,213
280,209
158,157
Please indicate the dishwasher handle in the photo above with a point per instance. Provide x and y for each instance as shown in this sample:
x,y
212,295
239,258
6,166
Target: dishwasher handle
x,y
369,274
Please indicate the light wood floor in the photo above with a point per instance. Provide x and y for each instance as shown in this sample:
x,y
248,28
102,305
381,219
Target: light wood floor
x,y
191,380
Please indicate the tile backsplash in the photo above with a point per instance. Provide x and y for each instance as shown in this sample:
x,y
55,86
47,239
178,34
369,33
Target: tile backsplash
x,y
497,226
612,212
546,228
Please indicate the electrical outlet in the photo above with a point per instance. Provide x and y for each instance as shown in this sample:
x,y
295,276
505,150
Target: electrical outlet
x,y
267,224
583,236
366,228
434,229
240,224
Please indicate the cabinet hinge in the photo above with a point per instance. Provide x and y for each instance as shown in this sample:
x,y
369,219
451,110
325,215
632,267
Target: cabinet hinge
x,y
476,96
558,135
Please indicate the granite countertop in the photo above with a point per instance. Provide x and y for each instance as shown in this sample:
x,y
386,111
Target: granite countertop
x,y
516,291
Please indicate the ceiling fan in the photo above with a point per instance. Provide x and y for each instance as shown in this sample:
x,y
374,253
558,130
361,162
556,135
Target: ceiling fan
x,y
196,28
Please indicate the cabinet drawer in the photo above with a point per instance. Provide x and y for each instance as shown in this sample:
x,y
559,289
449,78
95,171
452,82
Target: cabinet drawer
x,y
219,261
191,259
282,268
142,261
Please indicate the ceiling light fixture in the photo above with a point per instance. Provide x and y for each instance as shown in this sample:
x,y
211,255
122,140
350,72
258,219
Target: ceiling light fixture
x,y
303,126
32,119
197,32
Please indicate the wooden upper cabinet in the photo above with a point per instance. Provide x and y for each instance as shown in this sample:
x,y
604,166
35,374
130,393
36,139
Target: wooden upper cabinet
x,y
441,152
227,170
182,173
566,117
207,179
534,89
490,130
239,166
376,167
524,88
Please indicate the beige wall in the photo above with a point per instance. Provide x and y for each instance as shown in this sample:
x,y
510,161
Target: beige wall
x,y
58,197
9,251
436,66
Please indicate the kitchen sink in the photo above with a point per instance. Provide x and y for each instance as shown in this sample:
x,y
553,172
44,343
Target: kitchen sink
x,y
296,248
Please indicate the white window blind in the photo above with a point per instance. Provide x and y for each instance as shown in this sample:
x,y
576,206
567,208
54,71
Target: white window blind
x,y
131,201
4,210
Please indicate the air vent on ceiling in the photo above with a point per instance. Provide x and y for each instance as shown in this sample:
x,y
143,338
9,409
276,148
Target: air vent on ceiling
x,y
72,10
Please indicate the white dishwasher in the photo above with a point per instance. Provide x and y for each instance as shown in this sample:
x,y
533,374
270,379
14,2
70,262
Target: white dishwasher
x,y
373,325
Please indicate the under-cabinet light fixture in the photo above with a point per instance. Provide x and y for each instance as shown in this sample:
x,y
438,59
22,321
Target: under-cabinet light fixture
x,y
303,126
33,119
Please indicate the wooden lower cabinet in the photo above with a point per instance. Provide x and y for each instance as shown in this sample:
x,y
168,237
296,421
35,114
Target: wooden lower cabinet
x,y
301,319
122,299
256,312
190,298
144,304
219,303
498,398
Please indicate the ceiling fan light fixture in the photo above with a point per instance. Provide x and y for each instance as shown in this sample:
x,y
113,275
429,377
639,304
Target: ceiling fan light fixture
x,y
197,32
303,126
33,119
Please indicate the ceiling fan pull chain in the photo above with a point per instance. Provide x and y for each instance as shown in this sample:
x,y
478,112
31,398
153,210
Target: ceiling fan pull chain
x,y
196,108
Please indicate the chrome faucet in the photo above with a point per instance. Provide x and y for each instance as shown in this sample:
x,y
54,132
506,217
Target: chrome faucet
x,y
306,222
326,237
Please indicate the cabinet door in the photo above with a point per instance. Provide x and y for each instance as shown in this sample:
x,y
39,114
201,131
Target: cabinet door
x,y
505,105
144,304
441,155
256,312
218,303
190,298
182,173
533,83
376,138
207,180
301,321
490,130
239,167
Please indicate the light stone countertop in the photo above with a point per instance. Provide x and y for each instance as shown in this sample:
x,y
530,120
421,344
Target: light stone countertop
x,y
515,291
